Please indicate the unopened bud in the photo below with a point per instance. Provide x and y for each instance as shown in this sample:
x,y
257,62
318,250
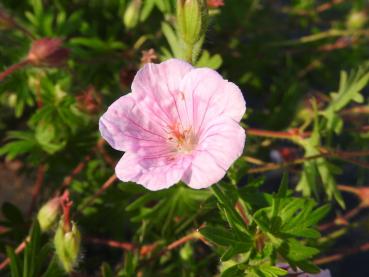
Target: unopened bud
x,y
48,214
191,19
67,245
132,14
89,101
48,52
357,20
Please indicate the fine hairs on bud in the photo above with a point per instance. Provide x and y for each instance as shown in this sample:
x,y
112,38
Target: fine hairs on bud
x,y
48,214
67,239
67,246
191,20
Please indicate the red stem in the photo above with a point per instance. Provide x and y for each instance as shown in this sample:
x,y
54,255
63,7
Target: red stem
x,y
103,188
290,134
112,243
66,204
37,187
19,249
342,254
13,68
78,169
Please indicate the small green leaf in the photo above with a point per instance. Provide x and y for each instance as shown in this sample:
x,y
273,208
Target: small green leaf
x,y
225,237
106,270
232,271
15,267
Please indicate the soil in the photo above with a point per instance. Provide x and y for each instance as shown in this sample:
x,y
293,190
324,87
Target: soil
x,y
15,186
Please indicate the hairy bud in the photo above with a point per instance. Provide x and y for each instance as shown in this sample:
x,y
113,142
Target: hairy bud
x,y
191,20
132,14
48,214
89,100
357,20
67,245
48,52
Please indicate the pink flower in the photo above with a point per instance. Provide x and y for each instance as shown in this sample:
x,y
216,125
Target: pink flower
x,y
179,123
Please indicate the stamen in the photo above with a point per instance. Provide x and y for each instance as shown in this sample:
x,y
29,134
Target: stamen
x,y
183,141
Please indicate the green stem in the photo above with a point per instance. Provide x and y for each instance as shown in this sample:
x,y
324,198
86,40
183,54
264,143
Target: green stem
x,y
323,35
188,52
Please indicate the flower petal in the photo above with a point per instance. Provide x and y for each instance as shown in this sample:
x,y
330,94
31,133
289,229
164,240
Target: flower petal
x,y
126,127
132,168
211,96
156,87
220,144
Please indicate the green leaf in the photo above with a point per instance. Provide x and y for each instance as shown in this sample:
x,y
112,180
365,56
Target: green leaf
x,y
225,237
54,269
147,8
106,270
15,267
233,271
350,88
271,271
283,188
172,39
295,251
206,60
233,217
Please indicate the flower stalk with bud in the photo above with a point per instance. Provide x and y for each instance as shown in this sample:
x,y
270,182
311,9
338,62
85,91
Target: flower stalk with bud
x,y
45,52
67,238
48,214
191,26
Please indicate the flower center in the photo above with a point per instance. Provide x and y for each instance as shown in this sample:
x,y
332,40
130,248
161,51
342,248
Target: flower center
x,y
182,140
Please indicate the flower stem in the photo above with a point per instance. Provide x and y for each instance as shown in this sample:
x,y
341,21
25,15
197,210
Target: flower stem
x,y
13,68
187,52
292,134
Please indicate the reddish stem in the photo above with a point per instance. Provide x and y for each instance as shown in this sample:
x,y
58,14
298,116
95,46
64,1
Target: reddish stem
x,y
327,6
13,68
100,148
66,204
112,243
342,254
291,134
18,250
37,186
342,219
78,169
103,188
242,212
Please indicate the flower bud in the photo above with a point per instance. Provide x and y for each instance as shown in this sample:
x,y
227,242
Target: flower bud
x,y
89,100
191,20
356,20
132,14
48,52
48,214
67,245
